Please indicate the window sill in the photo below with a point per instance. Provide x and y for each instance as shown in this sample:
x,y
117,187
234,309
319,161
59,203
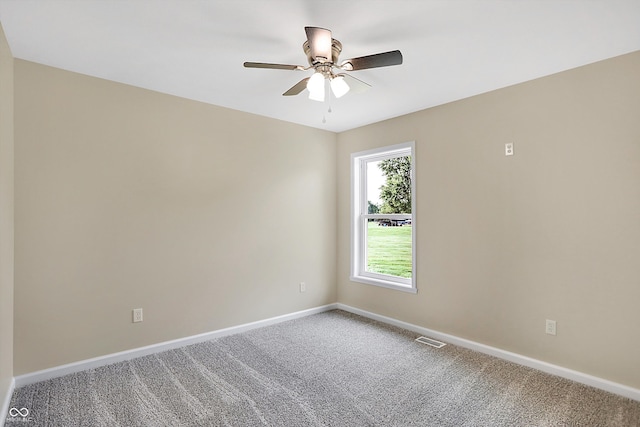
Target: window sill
x,y
384,284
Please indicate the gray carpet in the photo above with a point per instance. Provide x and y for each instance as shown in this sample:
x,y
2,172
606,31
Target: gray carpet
x,y
329,369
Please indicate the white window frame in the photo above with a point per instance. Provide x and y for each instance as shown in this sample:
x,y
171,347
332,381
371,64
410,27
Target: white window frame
x,y
360,217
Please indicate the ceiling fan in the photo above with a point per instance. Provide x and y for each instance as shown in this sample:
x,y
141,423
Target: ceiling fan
x,y
322,53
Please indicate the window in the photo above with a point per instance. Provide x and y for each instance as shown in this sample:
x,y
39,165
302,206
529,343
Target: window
x,y
383,217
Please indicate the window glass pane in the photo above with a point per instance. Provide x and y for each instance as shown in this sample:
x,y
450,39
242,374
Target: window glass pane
x,y
389,240
389,247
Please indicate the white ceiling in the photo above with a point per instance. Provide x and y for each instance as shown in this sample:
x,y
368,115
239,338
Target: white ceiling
x,y
195,49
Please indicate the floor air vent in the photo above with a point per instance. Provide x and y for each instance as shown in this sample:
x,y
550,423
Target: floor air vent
x,y
431,342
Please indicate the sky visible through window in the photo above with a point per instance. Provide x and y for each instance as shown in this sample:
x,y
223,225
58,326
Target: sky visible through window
x,y
375,180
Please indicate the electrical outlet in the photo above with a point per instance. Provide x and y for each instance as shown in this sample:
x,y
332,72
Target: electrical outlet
x,y
303,287
137,315
551,327
508,149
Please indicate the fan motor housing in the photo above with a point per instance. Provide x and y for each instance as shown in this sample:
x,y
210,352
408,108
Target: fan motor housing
x,y
336,48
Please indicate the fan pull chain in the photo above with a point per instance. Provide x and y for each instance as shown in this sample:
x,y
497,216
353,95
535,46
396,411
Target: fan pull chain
x,y
324,116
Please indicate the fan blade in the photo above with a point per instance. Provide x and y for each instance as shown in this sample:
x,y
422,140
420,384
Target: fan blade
x,y
319,43
355,85
272,66
385,59
297,88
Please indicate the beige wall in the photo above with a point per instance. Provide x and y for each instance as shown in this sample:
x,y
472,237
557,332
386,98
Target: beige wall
x,y
6,218
203,216
507,242
209,218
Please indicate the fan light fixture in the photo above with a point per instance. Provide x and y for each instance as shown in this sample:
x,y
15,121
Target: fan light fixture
x,y
338,86
315,85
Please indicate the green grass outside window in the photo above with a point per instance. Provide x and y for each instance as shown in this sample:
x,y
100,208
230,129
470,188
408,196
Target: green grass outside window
x,y
389,250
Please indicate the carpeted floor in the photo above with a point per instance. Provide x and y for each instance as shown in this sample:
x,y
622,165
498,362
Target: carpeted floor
x,y
329,369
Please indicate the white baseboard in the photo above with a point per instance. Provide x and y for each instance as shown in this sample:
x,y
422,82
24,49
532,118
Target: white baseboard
x,y
108,359
610,386
4,408
590,380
